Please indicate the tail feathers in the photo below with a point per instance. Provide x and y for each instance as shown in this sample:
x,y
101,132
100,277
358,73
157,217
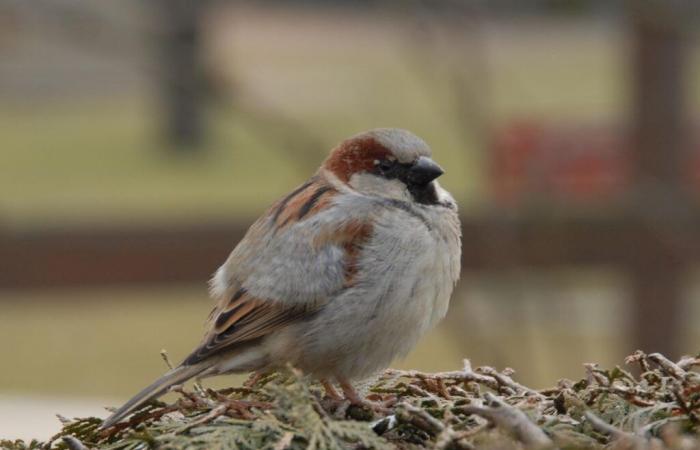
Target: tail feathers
x,y
159,387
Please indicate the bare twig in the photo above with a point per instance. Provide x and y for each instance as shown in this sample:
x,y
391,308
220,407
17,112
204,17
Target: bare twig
x,y
513,421
197,400
139,419
211,415
419,418
471,375
684,406
418,391
600,425
446,436
631,394
621,438
464,375
638,357
594,374
667,365
688,362
442,389
164,355
505,380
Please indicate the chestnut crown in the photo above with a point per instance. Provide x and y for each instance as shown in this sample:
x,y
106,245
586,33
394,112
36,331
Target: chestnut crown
x,y
389,162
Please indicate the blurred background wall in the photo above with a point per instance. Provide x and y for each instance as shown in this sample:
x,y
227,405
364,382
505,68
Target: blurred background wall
x,y
138,140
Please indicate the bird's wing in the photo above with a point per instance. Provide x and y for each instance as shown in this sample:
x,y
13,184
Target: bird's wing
x,y
244,320
291,261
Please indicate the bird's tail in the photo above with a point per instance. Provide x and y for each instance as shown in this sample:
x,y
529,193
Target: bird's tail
x,y
175,376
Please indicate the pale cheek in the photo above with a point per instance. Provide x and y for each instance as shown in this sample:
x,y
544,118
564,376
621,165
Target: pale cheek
x,y
372,184
442,195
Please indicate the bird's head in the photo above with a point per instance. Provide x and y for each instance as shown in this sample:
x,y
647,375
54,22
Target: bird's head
x,y
387,162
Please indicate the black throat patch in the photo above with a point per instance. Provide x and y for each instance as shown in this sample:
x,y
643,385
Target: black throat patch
x,y
425,194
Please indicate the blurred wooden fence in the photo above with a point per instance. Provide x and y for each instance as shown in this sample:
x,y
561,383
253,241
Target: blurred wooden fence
x,y
492,242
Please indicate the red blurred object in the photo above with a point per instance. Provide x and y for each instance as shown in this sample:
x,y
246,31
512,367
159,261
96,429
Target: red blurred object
x,y
563,162
580,163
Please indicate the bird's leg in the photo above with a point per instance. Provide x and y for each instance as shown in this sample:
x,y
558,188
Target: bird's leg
x,y
355,399
350,392
330,390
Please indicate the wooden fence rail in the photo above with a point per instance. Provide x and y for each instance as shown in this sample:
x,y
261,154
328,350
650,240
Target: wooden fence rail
x,y
81,257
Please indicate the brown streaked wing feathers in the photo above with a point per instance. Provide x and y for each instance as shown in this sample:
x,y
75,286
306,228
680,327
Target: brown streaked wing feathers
x,y
244,319
307,202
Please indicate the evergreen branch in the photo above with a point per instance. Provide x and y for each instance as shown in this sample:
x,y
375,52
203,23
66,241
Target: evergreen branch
x,y
462,409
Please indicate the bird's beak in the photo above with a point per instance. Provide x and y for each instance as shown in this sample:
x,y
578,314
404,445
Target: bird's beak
x,y
424,171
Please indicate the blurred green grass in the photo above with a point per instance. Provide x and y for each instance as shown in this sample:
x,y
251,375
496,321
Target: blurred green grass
x,y
106,342
102,160
105,163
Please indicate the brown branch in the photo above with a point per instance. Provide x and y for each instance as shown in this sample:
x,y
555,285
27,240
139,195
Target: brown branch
x,y
211,415
639,357
139,419
683,404
628,440
667,366
594,374
464,375
513,421
419,418
631,395
688,362
478,377
505,380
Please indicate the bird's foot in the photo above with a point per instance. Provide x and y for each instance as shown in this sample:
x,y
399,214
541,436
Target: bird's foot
x,y
334,403
331,392
380,407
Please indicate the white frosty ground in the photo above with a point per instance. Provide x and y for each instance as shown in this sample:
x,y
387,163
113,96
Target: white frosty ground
x,y
34,417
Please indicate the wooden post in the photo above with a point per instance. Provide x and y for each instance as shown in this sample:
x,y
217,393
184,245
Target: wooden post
x,y
660,205
181,77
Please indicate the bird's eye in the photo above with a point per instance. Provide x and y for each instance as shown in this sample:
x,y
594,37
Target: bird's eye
x,y
385,165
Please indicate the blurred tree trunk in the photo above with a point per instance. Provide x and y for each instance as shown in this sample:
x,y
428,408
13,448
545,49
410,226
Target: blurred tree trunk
x,y
183,89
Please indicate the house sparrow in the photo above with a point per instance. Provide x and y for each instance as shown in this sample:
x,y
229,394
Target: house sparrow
x,y
339,277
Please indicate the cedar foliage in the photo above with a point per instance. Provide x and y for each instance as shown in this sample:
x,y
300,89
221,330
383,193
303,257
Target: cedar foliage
x,y
656,407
